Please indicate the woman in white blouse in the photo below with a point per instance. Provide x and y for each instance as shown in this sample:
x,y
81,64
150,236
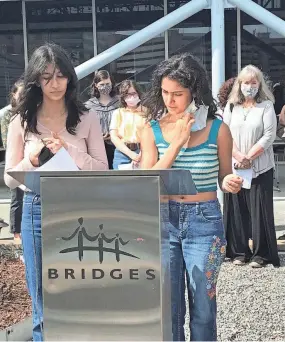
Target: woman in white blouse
x,y
249,214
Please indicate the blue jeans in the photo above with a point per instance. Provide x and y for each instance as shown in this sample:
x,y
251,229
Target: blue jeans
x,y
121,158
32,251
197,248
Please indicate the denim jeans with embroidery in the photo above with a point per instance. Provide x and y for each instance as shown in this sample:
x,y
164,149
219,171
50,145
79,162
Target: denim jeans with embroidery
x,y
197,248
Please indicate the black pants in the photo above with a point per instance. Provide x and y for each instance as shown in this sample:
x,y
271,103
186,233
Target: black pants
x,y
250,214
16,210
110,149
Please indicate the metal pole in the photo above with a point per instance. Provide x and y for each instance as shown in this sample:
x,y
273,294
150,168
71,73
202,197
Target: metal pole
x,y
218,54
238,41
166,41
218,45
261,14
25,36
142,36
94,27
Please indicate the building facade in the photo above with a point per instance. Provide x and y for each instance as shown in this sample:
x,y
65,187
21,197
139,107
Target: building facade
x,y
88,27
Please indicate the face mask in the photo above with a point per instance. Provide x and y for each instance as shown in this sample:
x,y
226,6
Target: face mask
x,y
104,89
132,101
248,91
200,115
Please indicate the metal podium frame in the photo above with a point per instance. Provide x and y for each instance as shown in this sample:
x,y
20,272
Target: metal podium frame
x,y
105,252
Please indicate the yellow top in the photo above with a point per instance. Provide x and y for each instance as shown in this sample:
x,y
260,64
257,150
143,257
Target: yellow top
x,y
128,123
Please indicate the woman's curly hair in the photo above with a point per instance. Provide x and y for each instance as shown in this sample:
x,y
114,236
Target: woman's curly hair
x,y
225,91
189,73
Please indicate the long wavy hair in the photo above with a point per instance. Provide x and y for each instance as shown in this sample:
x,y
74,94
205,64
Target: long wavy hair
x,y
189,73
32,96
98,77
15,88
225,91
248,73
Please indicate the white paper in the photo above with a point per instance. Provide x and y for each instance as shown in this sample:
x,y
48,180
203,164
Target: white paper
x,y
61,161
245,174
130,166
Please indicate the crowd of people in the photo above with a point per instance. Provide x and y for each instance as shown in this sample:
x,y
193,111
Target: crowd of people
x,y
176,124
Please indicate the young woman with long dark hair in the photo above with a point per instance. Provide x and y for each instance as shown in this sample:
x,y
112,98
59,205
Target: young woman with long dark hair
x,y
48,111
184,133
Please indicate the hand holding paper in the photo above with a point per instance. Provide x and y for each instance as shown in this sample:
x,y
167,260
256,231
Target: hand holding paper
x,y
61,161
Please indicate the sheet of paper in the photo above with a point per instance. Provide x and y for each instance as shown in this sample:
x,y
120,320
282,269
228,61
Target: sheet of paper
x,y
246,174
61,161
130,166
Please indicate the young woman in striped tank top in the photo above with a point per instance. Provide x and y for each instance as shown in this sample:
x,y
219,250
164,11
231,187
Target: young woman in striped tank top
x,y
192,138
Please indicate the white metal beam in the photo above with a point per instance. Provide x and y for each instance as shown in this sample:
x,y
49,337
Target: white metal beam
x,y
218,53
140,37
218,45
261,14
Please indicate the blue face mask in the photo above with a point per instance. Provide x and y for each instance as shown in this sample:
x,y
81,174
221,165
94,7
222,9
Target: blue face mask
x,y
200,116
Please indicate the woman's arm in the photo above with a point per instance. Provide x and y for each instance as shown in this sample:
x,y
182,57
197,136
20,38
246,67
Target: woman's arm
x,y
15,160
269,133
236,153
282,117
95,158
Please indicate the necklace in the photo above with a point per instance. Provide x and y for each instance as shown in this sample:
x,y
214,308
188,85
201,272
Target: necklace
x,y
246,111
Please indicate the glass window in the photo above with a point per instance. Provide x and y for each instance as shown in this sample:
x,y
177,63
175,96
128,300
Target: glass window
x,y
264,48
116,22
64,22
12,63
192,35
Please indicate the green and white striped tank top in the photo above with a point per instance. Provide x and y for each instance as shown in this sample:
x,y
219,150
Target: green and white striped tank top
x,y
202,160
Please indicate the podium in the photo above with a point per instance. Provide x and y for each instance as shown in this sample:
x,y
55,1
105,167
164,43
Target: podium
x,y
105,253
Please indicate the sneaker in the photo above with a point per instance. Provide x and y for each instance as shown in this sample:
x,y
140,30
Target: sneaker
x,y
239,262
255,264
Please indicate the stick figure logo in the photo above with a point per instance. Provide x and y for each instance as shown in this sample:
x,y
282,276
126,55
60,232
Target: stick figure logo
x,y
100,238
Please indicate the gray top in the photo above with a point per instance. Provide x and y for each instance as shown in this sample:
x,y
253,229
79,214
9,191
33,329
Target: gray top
x,y
252,126
104,112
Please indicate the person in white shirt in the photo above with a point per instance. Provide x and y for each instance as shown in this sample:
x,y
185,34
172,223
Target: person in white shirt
x,y
249,214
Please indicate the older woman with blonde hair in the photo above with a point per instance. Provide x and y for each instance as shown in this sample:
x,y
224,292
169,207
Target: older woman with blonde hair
x,y
249,214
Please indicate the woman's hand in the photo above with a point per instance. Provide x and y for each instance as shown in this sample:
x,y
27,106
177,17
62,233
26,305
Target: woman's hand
x,y
182,129
232,183
135,157
242,166
54,143
34,154
106,136
242,159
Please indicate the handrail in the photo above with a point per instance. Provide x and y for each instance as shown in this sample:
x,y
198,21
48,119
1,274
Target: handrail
x,y
261,14
137,39
140,37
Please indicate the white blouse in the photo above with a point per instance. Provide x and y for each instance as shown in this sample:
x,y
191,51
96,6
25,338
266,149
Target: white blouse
x,y
252,126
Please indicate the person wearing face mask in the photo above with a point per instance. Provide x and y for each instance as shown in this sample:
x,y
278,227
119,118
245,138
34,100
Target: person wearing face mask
x,y
104,102
190,136
126,125
249,214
